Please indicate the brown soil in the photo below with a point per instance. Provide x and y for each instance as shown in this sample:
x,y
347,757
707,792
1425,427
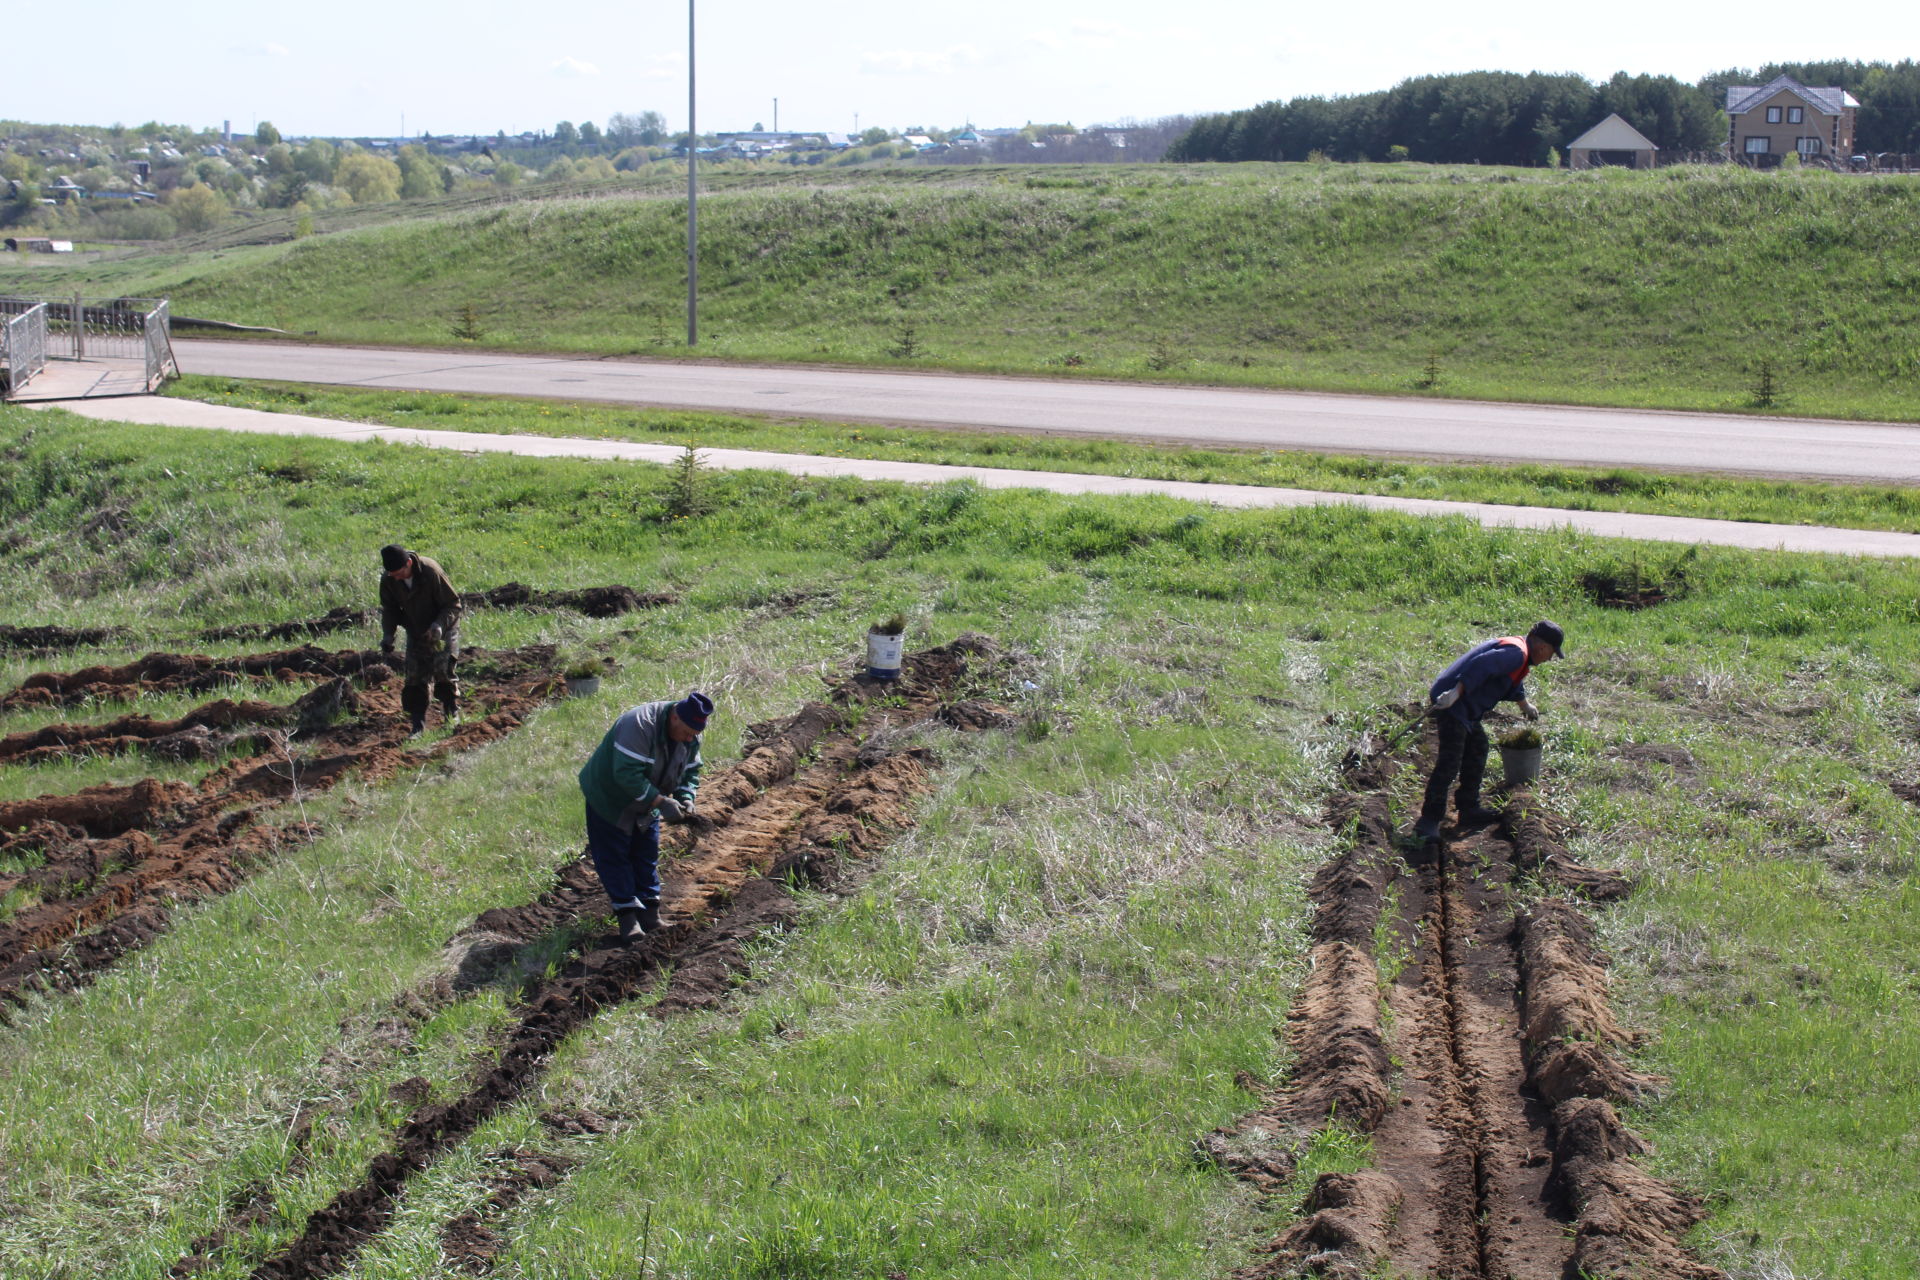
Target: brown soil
x,y
116,860
470,1241
50,639
594,602
1610,592
810,794
1496,1152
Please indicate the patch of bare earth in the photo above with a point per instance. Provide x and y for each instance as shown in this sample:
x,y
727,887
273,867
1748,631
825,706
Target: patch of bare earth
x,y
1485,1071
115,861
815,789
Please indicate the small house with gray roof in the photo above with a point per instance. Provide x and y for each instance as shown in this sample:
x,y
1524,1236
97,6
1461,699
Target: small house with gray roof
x,y
1768,121
1611,142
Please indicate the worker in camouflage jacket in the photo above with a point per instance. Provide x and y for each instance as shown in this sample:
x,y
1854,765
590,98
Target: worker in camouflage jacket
x,y
646,768
416,595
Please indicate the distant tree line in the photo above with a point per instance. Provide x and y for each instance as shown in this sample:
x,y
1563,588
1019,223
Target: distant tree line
x,y
1500,117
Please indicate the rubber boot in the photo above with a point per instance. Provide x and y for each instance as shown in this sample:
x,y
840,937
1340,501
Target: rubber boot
x,y
632,926
1475,814
413,701
650,916
448,694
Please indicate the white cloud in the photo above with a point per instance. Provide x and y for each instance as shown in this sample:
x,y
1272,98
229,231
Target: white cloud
x,y
659,66
266,50
1097,30
921,62
573,69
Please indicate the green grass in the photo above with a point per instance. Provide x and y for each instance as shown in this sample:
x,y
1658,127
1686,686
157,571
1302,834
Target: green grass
x,y
1569,488
991,1054
1663,289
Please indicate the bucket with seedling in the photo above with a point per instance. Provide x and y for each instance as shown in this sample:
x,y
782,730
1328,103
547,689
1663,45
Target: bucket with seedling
x,y
1520,755
886,643
583,677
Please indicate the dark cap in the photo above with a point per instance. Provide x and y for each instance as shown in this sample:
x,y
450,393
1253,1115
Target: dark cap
x,y
394,556
693,710
1551,633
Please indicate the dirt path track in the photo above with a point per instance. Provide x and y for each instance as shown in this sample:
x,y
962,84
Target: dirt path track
x,y
114,861
1484,1066
812,790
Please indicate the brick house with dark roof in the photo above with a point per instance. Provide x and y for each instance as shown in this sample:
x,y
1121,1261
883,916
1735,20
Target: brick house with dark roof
x,y
1766,122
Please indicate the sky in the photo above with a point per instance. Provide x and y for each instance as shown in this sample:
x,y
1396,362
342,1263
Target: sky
x,y
358,68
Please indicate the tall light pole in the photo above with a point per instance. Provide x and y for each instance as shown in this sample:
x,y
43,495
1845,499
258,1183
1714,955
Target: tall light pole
x,y
693,239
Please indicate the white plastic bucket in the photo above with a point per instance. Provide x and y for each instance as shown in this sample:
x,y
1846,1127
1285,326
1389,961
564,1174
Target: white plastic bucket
x,y
582,686
1521,764
883,655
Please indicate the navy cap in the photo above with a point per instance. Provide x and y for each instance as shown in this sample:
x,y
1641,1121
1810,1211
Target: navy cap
x,y
693,710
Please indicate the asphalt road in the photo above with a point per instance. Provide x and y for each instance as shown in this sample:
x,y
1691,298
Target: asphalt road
x,y
1443,429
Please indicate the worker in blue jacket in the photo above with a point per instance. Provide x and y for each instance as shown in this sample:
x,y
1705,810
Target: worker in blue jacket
x,y
1490,673
646,767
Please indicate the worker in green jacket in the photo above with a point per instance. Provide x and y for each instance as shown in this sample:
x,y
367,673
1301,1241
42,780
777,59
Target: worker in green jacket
x,y
646,768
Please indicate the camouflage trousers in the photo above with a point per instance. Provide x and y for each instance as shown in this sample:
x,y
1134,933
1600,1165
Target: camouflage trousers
x,y
430,664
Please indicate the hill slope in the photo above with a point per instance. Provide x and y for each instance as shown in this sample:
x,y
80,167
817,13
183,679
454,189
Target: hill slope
x,y
1667,288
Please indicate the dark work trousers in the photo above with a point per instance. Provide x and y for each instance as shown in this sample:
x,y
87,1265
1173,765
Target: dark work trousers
x,y
435,665
628,863
1462,753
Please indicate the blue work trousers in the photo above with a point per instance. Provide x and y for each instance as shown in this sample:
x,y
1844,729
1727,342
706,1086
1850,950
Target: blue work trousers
x,y
627,862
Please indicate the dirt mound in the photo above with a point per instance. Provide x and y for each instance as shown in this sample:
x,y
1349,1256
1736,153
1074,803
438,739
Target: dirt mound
x,y
1629,1222
595,602
726,882
1495,1155
193,736
1610,591
51,639
1538,848
191,673
116,860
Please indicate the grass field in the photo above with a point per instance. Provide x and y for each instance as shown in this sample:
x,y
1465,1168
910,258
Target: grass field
x,y
1570,488
992,1052
1667,288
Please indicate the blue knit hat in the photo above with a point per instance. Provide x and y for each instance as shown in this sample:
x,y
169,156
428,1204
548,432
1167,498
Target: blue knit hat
x,y
693,710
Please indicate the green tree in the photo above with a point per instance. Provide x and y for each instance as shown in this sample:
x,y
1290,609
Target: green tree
x,y
589,134
507,173
266,135
197,208
565,134
421,176
368,178
316,160
874,136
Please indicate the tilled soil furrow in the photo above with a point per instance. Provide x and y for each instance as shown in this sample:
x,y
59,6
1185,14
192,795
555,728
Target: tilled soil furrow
x,y
729,887
1496,1151
117,860
594,602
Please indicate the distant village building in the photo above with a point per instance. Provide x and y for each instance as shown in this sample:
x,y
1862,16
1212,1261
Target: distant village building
x,y
1766,122
37,244
1611,142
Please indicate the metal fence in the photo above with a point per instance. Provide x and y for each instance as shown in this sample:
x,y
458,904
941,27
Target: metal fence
x,y
23,345
117,329
156,331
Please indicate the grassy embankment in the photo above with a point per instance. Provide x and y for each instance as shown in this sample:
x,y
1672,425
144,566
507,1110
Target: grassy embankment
x,y
1569,488
990,1056
1661,289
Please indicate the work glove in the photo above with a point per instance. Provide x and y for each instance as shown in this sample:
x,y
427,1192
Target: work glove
x,y
672,810
1528,710
386,644
1447,699
432,637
